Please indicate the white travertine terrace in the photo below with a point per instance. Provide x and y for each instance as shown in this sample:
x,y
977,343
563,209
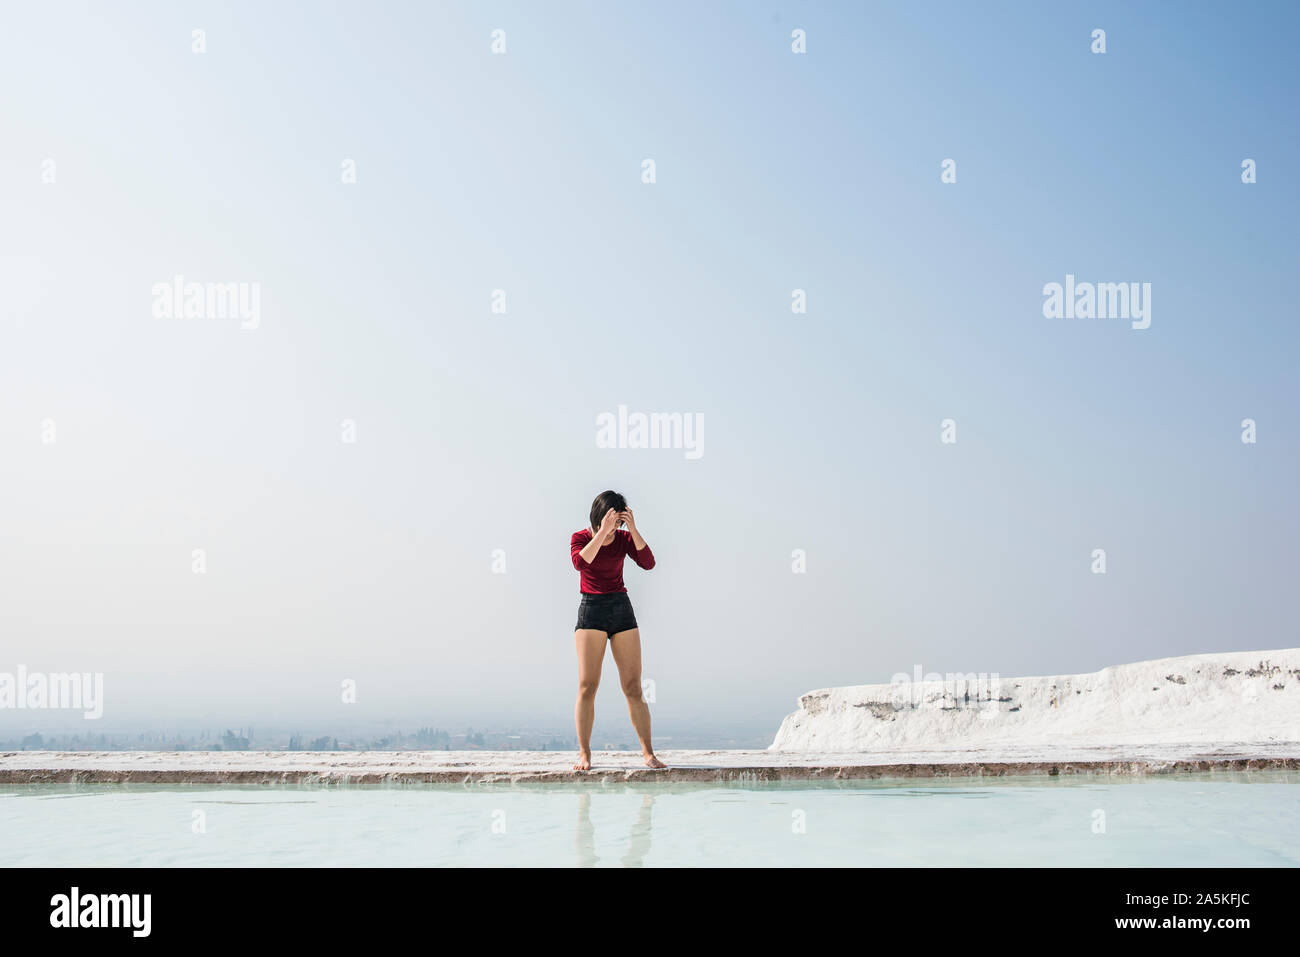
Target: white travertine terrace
x,y
736,767
1246,698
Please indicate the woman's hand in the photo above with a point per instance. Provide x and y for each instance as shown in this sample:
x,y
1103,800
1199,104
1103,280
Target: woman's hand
x,y
607,524
637,540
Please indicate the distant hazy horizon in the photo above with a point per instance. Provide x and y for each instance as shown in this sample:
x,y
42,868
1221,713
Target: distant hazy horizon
x,y
432,274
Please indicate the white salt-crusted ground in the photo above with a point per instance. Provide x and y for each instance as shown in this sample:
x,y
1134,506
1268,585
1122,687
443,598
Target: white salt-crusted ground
x,y
300,767
1251,698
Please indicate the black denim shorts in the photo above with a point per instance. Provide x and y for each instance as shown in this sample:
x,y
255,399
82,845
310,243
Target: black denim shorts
x,y
609,613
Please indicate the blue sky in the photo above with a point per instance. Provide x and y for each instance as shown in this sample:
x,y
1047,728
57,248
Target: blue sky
x,y
522,172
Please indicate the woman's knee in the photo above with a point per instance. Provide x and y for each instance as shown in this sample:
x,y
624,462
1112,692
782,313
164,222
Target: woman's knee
x,y
632,687
587,688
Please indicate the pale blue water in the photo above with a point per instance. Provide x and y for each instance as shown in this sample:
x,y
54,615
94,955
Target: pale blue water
x,y
1192,820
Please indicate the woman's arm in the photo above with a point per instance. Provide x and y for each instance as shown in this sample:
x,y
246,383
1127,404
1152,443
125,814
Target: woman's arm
x,y
588,551
575,550
642,555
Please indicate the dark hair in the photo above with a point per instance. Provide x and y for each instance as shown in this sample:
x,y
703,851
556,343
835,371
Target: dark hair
x,y
604,502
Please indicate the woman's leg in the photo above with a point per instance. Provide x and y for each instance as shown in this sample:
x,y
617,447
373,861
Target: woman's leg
x,y
591,653
626,646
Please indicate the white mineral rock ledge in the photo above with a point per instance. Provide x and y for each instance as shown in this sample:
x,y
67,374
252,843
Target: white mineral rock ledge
x,y
1247,698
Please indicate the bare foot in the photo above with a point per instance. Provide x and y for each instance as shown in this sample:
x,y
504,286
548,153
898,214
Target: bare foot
x,y
652,762
584,761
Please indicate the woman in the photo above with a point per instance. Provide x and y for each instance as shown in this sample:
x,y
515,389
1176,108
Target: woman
x,y
605,612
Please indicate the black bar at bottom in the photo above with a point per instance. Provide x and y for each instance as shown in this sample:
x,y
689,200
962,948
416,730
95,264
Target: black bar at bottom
x,y
328,907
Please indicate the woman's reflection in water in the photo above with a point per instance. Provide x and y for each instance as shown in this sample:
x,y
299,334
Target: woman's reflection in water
x,y
584,836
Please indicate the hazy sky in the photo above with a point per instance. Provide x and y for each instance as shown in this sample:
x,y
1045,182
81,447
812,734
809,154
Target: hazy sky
x,y
372,560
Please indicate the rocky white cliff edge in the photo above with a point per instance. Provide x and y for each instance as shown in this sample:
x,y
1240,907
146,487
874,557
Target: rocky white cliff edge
x,y
1240,697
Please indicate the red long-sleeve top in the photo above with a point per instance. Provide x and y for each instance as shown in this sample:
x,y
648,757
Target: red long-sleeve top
x,y
605,574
